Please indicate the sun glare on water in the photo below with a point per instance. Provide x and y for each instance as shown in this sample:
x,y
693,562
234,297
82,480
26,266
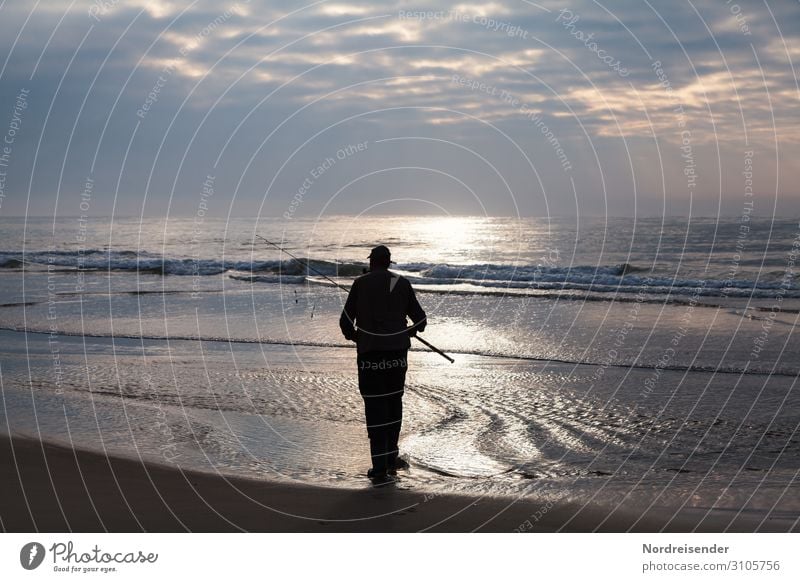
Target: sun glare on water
x,y
459,236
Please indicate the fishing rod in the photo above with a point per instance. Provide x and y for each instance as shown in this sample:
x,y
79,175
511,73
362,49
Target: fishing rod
x,y
345,289
433,348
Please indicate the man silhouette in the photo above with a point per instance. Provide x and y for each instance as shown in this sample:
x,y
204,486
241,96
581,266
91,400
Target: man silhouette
x,y
374,317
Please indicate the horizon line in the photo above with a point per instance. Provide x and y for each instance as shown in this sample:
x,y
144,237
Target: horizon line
x,y
390,215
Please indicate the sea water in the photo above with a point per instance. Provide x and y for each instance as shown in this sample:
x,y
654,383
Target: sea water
x,y
619,362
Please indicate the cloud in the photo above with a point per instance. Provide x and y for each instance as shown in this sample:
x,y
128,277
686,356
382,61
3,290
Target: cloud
x,y
221,78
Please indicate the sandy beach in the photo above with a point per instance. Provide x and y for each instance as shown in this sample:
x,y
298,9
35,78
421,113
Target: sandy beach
x,y
49,488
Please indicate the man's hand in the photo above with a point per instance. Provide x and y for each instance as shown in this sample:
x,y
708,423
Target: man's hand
x,y
351,336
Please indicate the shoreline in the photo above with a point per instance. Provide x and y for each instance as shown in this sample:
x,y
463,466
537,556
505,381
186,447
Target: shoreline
x,y
53,488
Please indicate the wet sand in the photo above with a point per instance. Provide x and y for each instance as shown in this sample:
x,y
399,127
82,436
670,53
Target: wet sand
x,y
50,488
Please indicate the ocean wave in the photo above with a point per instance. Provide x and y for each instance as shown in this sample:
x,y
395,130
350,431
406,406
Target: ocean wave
x,y
147,263
283,279
623,278
10,263
605,279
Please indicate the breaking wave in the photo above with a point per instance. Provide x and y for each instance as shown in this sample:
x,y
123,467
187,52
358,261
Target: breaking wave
x,y
489,277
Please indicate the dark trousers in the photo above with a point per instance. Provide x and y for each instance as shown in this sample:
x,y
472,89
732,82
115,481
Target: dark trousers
x,y
381,380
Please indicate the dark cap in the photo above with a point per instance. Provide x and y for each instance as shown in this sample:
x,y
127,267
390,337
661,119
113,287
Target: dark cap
x,y
380,252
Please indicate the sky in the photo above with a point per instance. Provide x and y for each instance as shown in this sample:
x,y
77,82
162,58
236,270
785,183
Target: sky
x,y
287,109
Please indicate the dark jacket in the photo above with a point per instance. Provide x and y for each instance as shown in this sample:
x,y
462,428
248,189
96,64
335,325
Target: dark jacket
x,y
378,305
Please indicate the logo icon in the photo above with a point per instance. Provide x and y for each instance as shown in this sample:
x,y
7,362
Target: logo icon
x,y
31,555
